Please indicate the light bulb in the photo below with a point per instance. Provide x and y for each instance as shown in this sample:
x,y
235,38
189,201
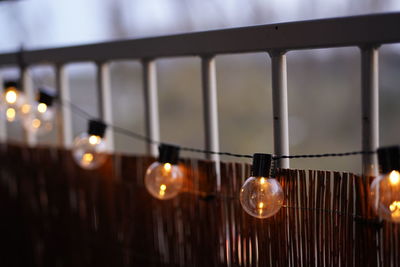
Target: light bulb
x,y
38,118
11,102
88,149
164,178
385,189
260,195
385,196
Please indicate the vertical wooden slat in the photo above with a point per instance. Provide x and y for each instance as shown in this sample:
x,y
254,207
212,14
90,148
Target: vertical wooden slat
x,y
280,107
210,110
27,85
370,107
150,93
105,101
3,122
64,119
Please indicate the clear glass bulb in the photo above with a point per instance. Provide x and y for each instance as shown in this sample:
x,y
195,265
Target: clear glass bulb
x,y
163,180
385,196
11,103
261,197
88,151
37,118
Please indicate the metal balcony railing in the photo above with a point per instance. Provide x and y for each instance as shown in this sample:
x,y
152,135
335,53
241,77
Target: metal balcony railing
x,y
366,32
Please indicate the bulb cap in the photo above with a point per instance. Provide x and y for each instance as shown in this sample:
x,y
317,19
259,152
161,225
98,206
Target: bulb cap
x,y
97,128
261,165
45,97
389,158
168,154
8,84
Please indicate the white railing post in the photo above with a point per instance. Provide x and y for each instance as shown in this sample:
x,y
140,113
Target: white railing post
x,y
370,108
280,107
151,104
64,119
210,102
3,122
27,85
105,101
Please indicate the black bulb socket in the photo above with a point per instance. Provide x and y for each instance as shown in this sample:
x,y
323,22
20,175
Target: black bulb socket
x,y
97,128
389,158
261,165
168,154
11,84
45,97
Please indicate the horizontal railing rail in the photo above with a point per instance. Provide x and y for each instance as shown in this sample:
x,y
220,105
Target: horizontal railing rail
x,y
322,33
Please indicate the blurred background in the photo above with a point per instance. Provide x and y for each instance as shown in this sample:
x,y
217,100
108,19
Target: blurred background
x,y
323,85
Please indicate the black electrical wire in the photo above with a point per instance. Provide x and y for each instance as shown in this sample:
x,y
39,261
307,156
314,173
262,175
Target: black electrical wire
x,y
86,115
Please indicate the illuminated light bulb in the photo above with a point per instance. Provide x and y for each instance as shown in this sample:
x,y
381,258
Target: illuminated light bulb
x,y
11,96
89,147
11,114
11,101
385,189
164,178
39,117
260,195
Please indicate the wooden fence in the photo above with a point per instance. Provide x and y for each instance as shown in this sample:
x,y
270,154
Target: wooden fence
x,y
55,214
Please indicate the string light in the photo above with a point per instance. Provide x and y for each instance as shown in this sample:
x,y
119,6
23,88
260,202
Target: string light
x,y
164,178
89,147
261,196
11,101
38,118
385,189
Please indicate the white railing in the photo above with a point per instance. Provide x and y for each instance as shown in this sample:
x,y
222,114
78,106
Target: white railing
x,y
366,32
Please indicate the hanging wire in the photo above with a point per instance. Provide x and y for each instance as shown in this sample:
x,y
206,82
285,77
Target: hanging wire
x,y
86,115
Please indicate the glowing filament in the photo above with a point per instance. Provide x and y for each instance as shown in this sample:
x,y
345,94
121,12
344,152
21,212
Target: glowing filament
x,y
167,167
394,177
260,205
263,180
163,187
94,139
87,158
395,209
36,123
42,108
10,113
11,96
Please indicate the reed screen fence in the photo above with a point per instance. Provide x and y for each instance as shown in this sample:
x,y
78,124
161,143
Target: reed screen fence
x,y
56,214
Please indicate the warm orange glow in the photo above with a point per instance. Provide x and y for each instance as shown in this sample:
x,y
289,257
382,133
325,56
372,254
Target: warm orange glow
x,y
42,108
25,109
263,180
394,177
395,209
36,123
94,140
87,158
163,187
10,113
261,205
11,96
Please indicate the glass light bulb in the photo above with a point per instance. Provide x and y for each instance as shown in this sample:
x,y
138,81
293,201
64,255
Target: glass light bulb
x,y
88,154
11,102
385,196
163,180
37,118
261,197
